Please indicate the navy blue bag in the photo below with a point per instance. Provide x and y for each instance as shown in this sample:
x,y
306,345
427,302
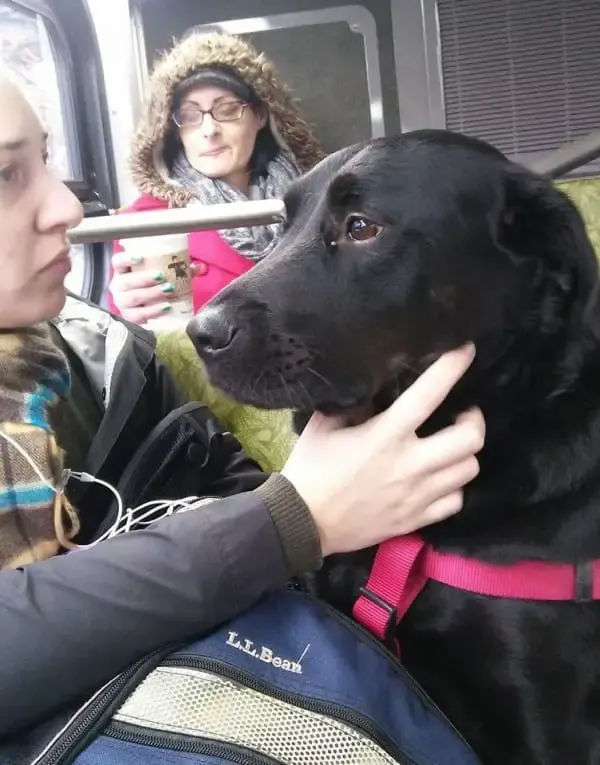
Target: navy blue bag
x,y
290,681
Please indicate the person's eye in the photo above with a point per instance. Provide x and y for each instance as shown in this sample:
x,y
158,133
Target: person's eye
x,y
7,173
229,110
13,178
187,116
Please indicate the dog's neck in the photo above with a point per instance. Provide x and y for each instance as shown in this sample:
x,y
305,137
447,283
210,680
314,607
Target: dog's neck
x,y
541,403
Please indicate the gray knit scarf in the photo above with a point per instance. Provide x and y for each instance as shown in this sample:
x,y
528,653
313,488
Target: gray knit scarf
x,y
251,242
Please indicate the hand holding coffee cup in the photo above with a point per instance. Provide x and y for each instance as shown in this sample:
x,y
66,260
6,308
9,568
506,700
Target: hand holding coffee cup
x,y
152,281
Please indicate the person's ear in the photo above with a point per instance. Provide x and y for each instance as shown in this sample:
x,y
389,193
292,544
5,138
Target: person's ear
x,y
262,116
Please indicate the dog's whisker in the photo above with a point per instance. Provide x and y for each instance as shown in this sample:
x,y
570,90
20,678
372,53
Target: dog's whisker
x,y
309,398
319,376
406,367
316,352
287,390
302,391
255,384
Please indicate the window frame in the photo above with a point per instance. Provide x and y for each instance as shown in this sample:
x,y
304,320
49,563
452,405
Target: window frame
x,y
420,76
70,31
63,67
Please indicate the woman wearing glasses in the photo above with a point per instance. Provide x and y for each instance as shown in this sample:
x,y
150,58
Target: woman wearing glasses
x,y
218,126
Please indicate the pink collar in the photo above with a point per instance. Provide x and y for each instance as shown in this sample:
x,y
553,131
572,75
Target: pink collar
x,y
403,565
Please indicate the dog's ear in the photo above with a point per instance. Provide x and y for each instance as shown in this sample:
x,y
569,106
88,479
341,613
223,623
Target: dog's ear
x,y
540,225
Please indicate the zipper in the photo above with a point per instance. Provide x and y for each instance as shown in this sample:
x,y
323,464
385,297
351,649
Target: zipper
x,y
84,723
132,734
385,651
116,332
242,677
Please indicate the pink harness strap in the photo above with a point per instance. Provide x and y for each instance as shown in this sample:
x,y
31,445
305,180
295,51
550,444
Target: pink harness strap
x,y
403,565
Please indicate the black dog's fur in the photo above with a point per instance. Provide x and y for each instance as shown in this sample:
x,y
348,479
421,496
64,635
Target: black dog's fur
x,y
469,246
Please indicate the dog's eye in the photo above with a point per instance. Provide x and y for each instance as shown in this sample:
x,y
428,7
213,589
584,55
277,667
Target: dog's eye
x,y
361,229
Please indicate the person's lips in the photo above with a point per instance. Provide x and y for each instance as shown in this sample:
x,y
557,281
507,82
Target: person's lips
x,y
61,264
214,152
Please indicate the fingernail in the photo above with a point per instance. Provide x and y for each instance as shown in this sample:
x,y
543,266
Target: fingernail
x,y
168,287
159,276
136,259
166,307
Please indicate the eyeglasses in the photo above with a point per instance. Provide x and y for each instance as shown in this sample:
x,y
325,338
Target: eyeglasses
x,y
193,116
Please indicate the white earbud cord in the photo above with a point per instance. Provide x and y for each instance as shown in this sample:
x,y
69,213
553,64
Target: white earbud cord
x,y
144,515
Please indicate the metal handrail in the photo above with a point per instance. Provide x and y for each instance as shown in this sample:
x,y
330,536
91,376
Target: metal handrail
x,y
182,220
197,217
568,157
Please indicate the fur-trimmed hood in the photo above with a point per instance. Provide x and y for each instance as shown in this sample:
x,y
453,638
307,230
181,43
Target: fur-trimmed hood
x,y
185,58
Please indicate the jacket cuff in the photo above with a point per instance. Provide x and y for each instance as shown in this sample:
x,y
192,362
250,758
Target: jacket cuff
x,y
295,526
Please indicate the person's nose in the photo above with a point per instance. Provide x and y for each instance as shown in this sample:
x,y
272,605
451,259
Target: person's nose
x,y
210,127
59,209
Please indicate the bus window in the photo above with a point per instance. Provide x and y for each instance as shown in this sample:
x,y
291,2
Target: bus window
x,y
31,49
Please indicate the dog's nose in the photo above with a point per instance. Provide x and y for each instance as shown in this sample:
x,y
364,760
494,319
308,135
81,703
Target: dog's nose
x,y
211,332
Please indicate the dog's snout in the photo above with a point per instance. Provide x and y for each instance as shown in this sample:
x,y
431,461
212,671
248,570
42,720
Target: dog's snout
x,y
211,332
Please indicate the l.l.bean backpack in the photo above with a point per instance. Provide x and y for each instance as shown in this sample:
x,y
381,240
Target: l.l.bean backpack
x,y
290,681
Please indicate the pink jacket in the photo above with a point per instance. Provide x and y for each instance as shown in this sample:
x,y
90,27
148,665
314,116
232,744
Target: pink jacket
x,y
220,264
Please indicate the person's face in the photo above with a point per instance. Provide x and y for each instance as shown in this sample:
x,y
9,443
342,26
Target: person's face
x,y
36,210
220,147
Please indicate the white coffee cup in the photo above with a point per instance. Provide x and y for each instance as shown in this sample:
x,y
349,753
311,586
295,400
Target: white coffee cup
x,y
169,255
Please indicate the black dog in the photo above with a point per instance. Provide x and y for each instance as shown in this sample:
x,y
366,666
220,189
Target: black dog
x,y
396,251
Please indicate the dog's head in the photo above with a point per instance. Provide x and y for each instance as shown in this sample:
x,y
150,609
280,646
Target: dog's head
x,y
395,251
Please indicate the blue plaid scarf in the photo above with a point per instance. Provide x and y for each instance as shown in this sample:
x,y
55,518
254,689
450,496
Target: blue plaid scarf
x,y
34,380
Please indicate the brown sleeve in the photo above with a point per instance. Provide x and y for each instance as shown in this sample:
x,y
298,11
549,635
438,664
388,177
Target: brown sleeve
x,y
294,523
